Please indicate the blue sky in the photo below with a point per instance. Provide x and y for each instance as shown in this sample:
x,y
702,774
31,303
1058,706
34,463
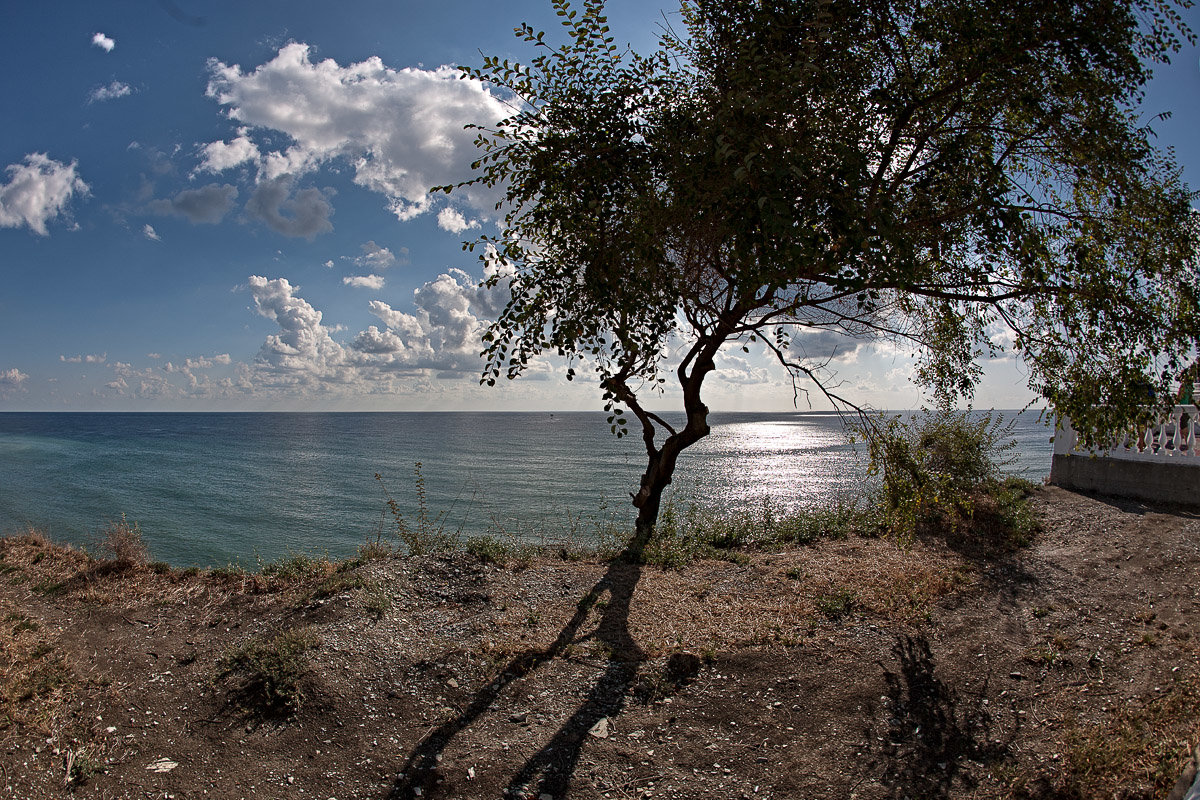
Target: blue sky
x,y
221,206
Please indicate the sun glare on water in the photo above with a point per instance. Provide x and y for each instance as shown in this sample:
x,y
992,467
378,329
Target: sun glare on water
x,y
796,462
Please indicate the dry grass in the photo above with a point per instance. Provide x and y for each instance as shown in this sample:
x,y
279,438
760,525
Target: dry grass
x,y
123,542
1146,742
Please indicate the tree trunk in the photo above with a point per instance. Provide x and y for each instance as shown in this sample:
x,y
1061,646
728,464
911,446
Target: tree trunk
x,y
660,469
661,460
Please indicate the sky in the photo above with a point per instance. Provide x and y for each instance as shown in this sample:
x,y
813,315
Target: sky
x,y
223,206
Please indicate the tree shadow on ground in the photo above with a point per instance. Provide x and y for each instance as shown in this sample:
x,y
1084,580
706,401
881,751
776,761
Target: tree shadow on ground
x,y
986,542
932,730
550,769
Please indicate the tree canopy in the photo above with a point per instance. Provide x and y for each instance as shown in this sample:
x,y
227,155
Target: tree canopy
x,y
929,171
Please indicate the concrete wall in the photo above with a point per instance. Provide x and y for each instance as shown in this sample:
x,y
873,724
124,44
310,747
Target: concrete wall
x,y
1155,481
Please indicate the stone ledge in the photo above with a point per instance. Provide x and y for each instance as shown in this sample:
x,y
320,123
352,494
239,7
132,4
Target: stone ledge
x,y
1156,481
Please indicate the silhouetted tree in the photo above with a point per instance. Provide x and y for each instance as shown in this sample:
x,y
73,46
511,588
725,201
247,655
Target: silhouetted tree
x,y
932,171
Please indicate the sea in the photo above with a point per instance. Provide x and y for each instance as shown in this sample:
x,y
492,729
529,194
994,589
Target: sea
x,y
211,489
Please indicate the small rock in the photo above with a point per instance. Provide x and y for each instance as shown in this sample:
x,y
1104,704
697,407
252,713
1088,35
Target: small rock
x,y
1020,676
453,684
518,718
600,729
470,773
162,765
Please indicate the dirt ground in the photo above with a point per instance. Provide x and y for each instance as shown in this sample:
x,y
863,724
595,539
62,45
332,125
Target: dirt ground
x,y
857,668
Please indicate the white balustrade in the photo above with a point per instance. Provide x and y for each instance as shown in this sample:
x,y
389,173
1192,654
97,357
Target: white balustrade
x,y
1176,437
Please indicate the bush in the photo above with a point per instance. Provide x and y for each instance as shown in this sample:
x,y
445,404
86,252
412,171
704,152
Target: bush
x,y
269,671
123,542
934,463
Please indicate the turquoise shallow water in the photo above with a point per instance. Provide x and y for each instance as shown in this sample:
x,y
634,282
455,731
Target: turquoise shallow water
x,y
210,489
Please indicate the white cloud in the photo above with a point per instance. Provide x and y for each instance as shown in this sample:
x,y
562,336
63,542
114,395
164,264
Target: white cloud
x,y
364,281
219,156
207,204
451,220
439,340
11,380
329,264
302,351
105,43
444,332
142,383
740,371
375,256
151,234
111,92
403,130
190,364
305,213
37,192
84,359
376,342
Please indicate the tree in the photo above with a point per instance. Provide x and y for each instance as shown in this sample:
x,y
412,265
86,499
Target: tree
x,y
932,171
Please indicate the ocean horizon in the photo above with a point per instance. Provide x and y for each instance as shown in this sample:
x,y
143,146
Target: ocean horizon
x,y
212,488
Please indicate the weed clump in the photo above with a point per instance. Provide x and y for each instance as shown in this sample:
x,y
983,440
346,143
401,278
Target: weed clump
x,y
123,542
428,533
686,533
268,672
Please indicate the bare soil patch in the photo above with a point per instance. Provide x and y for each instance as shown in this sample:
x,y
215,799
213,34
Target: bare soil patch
x,y
854,668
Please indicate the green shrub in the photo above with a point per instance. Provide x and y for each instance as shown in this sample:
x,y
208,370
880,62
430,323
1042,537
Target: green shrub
x,y
488,549
934,462
296,567
268,671
686,533
837,603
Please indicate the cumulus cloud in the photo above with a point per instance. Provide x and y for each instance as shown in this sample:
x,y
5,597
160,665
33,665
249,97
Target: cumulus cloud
x,y
451,220
190,364
151,234
364,281
179,381
739,371
303,350
38,191
444,332
105,43
207,204
220,156
145,383
84,359
111,92
375,257
440,337
402,130
11,380
303,214
376,342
